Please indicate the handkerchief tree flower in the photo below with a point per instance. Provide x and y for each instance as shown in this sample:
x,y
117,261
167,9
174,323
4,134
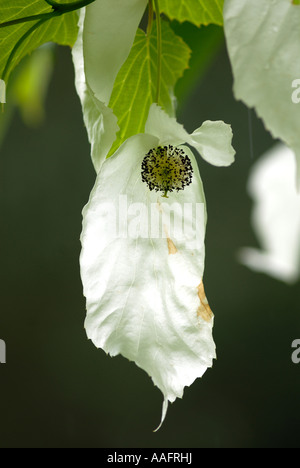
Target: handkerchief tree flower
x,y
143,249
144,281
143,239
142,260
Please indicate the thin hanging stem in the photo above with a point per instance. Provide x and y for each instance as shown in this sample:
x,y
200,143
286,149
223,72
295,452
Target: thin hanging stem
x,y
27,19
18,44
159,50
58,10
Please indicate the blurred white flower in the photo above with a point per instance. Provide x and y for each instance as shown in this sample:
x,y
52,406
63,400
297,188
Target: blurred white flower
x,y
276,216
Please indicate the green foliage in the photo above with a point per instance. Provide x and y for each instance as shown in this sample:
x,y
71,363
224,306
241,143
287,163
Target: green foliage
x,y
32,83
135,87
28,88
18,40
198,12
265,64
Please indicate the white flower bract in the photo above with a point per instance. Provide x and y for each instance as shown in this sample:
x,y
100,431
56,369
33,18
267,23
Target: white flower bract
x,y
263,39
145,294
98,55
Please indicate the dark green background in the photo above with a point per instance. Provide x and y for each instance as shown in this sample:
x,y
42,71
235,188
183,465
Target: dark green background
x,y
57,389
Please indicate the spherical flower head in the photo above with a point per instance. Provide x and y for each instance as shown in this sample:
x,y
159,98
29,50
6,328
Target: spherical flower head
x,y
167,168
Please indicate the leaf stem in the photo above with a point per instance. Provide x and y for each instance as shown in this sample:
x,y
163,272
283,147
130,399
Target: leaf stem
x,y
150,17
49,15
159,49
19,43
58,9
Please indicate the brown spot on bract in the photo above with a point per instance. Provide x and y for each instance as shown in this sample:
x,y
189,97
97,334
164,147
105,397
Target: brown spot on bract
x,y
172,247
204,311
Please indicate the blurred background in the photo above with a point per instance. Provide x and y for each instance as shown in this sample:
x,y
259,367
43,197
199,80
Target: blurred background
x,y
57,389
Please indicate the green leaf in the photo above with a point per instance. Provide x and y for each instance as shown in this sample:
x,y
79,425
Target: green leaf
x,y
62,29
202,57
199,12
135,87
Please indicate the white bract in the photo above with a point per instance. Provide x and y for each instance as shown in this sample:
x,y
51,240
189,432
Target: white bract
x,y
103,44
109,30
142,260
143,278
276,216
263,38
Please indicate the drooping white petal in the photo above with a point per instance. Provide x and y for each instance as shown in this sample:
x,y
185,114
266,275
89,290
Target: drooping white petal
x,y
212,140
109,31
142,268
100,122
276,216
263,38
164,127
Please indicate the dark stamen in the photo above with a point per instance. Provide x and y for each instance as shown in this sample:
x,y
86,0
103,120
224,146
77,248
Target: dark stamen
x,y
166,169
